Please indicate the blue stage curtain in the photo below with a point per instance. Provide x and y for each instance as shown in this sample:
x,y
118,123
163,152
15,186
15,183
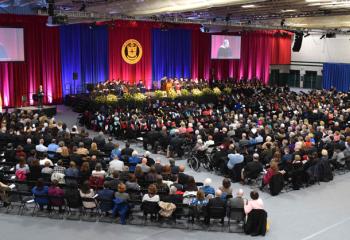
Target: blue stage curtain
x,y
171,53
336,75
84,50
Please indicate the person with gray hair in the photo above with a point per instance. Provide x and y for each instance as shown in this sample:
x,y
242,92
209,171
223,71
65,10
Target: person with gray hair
x,y
215,202
133,161
29,145
81,150
173,197
238,201
150,160
252,169
100,140
144,167
207,188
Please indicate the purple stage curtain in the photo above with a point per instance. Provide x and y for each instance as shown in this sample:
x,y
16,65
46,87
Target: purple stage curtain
x,y
42,63
259,49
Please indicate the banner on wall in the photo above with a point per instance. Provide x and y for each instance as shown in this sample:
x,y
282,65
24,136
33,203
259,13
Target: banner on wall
x,y
131,51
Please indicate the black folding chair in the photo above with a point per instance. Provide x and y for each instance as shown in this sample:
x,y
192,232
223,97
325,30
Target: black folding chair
x,y
135,195
236,214
181,212
105,205
150,208
57,204
39,197
216,213
73,202
19,199
93,210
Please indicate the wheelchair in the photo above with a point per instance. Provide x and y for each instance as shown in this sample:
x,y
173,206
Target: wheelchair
x,y
201,158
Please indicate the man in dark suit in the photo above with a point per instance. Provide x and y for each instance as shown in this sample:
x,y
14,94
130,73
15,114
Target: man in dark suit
x,y
127,150
252,169
158,165
174,168
114,181
106,197
215,202
77,138
225,51
100,140
29,146
176,143
151,138
182,177
109,146
86,140
150,161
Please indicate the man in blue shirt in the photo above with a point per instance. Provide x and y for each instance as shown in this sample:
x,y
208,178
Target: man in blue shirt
x,y
233,159
116,152
52,148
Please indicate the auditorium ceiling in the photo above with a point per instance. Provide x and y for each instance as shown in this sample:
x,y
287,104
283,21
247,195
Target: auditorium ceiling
x,y
298,13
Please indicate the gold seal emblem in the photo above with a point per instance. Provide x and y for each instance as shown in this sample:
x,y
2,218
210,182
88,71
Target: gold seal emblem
x,y
132,51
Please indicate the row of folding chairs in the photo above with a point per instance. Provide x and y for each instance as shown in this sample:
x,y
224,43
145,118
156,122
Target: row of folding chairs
x,y
22,202
192,215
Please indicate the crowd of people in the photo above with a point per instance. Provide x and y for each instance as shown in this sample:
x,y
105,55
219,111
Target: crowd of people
x,y
254,131
119,88
301,136
54,162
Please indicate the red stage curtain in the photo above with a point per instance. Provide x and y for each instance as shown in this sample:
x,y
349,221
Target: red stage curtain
x,y
42,62
201,55
282,47
259,49
118,68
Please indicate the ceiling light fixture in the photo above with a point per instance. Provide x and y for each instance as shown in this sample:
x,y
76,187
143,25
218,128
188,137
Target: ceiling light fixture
x,y
288,10
248,6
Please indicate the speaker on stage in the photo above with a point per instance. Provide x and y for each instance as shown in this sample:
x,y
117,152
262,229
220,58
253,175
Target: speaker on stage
x,y
298,40
75,76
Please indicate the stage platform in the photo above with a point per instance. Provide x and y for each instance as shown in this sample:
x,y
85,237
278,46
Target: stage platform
x,y
48,110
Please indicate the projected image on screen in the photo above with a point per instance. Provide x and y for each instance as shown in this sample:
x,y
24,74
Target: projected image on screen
x,y
225,47
11,44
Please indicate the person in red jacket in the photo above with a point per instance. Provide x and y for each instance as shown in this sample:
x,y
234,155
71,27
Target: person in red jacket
x,y
271,171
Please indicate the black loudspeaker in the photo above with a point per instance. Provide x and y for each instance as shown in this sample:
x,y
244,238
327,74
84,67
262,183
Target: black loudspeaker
x,y
75,76
298,40
51,8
